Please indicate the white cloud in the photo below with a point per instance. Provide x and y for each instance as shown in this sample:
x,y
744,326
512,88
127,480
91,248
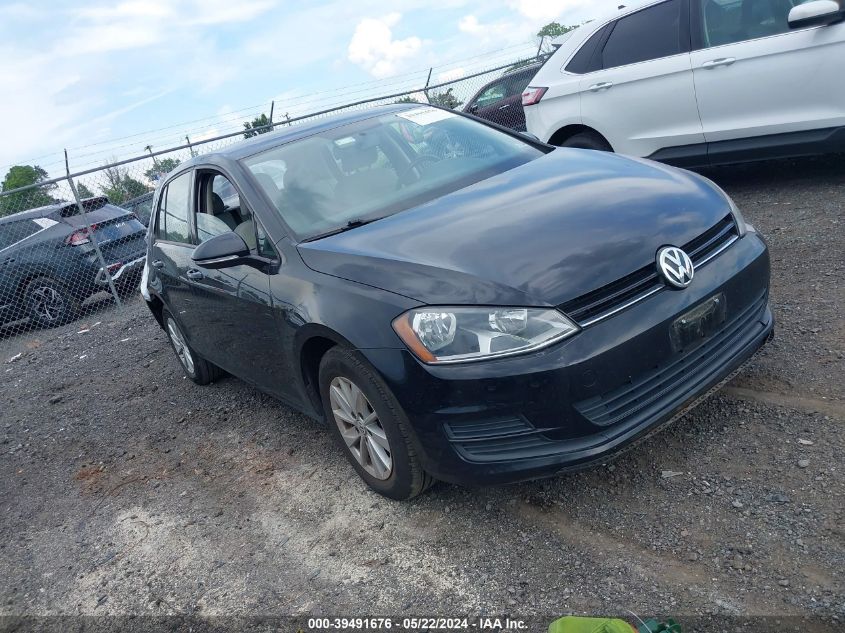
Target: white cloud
x,y
546,9
373,47
469,24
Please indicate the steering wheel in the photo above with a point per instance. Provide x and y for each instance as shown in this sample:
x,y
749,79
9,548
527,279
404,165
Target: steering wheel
x,y
409,168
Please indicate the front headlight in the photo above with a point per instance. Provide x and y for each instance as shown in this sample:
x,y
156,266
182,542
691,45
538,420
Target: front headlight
x,y
461,334
741,228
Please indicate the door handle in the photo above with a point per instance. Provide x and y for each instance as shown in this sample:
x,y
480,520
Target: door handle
x,y
157,263
507,105
604,85
722,61
195,274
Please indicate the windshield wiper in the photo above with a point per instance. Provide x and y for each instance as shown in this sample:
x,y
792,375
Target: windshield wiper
x,y
352,224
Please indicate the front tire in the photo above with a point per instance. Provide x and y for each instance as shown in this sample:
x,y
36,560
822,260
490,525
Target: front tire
x,y
588,140
370,426
197,369
49,303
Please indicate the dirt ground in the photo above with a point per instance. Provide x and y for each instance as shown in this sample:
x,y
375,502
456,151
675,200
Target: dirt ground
x,y
128,490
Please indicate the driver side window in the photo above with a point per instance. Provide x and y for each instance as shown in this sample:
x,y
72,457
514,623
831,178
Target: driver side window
x,y
219,210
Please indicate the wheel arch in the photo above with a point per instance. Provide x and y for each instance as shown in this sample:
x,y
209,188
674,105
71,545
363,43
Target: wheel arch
x,y
313,341
568,131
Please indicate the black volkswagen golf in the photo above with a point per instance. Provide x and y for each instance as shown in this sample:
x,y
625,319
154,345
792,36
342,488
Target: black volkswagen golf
x,y
456,301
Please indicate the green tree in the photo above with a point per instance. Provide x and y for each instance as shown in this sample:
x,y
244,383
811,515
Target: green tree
x,y
551,31
257,126
84,191
161,167
445,99
23,176
406,99
121,186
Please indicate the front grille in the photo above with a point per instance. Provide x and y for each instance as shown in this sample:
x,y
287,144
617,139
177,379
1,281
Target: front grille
x,y
622,293
663,383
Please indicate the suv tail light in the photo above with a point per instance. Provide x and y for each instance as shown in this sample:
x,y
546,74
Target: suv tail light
x,y
532,95
80,236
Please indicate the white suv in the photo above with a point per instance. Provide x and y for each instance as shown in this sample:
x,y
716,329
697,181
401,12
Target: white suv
x,y
698,82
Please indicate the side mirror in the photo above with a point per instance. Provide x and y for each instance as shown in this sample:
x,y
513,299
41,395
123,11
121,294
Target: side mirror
x,y
221,251
473,108
815,13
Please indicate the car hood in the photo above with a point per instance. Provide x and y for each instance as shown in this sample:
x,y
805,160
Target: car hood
x,y
543,233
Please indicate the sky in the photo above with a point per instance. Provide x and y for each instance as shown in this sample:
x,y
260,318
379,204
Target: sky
x,y
106,79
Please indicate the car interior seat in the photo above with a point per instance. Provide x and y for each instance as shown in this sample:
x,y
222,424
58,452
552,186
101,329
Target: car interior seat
x,y
362,179
219,210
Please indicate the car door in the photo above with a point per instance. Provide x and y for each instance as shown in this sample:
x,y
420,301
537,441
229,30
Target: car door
x,y
755,76
642,98
170,254
510,112
236,327
487,104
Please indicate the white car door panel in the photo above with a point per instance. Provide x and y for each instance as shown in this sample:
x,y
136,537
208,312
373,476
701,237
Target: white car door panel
x,y
643,99
644,107
787,82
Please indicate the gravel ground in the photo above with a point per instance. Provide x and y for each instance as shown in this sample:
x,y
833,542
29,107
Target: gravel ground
x,y
129,490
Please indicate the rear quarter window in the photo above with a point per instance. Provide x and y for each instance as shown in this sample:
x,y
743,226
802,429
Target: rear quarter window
x,y
586,60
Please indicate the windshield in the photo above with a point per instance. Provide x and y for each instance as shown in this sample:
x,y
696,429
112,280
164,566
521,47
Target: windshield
x,y
356,173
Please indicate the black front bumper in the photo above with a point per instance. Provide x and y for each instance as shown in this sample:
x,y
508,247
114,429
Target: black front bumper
x,y
581,401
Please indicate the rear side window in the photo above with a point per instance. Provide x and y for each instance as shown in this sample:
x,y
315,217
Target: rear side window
x,y
173,210
13,232
649,34
586,60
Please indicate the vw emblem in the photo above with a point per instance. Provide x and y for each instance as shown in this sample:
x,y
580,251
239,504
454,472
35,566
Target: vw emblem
x,y
675,266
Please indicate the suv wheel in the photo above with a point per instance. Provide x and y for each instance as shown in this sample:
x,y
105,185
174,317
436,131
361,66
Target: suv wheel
x,y
588,140
197,369
48,303
370,426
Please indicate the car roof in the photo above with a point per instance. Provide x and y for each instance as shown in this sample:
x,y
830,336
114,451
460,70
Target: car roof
x,y
295,132
39,212
50,209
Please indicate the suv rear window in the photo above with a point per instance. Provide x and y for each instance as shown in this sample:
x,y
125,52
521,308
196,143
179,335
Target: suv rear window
x,y
13,232
652,33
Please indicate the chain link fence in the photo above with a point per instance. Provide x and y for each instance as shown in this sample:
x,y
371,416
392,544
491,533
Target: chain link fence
x,y
75,244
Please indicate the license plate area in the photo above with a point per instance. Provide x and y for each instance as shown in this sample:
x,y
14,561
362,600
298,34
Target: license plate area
x,y
696,325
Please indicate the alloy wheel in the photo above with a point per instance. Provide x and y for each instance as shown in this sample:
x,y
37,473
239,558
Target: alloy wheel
x,y
360,427
47,304
181,347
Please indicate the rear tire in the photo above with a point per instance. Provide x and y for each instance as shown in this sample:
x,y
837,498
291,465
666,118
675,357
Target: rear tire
x,y
373,431
588,140
49,303
196,368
